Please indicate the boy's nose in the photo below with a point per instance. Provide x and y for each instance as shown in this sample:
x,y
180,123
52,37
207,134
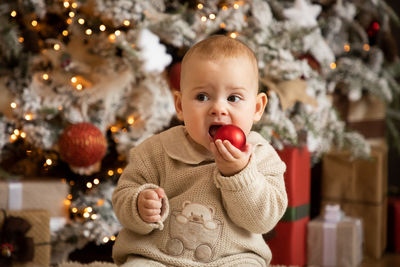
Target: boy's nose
x,y
218,108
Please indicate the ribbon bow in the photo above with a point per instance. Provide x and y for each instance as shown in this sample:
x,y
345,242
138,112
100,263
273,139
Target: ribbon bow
x,y
15,246
290,92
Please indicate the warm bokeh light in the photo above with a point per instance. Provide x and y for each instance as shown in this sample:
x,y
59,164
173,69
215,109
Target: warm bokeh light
x,y
13,13
333,65
45,76
28,116
65,33
127,22
81,21
56,47
200,6
131,120
366,47
233,35
34,23
13,105
346,47
203,18
211,16
102,27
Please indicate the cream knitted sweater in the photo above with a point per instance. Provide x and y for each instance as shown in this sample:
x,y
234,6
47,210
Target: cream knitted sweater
x,y
207,219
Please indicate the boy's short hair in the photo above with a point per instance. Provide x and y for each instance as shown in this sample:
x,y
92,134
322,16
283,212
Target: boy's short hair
x,y
219,46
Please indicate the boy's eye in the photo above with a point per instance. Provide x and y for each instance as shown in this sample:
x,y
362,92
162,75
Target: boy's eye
x,y
233,98
201,97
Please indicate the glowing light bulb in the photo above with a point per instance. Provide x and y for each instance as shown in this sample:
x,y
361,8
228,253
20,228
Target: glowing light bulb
x,y
34,23
79,87
56,47
49,162
86,215
346,47
212,16
200,6
117,33
96,181
93,217
89,209
89,185
119,170
332,65
203,18
13,105
127,22
21,39
74,210
366,47
74,5
28,116
222,25
102,27
81,21
233,35
71,14
110,172
88,32
23,135
74,79
13,13
66,4
131,120
65,33
69,21
45,76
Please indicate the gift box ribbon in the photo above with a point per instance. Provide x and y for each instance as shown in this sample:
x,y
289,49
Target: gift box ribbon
x,y
296,213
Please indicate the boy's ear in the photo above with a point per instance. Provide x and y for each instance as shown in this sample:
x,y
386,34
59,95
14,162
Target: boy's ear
x,y
178,104
261,103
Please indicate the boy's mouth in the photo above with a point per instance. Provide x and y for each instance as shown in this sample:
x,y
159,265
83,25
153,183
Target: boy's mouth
x,y
213,129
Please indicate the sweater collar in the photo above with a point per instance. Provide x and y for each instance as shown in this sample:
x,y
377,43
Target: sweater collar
x,y
180,146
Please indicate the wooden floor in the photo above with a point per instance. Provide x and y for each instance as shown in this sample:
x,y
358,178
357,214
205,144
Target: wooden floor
x,y
388,260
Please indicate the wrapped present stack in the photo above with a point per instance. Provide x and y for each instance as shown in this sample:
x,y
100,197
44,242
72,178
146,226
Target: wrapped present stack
x,y
288,242
334,239
25,238
41,202
360,185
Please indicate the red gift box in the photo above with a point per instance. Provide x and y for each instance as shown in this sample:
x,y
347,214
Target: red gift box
x,y
297,175
288,242
394,224
288,245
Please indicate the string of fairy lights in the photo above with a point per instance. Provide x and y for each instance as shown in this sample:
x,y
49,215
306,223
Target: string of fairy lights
x,y
80,83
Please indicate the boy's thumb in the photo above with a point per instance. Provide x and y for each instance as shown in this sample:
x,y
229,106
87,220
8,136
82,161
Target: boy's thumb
x,y
160,192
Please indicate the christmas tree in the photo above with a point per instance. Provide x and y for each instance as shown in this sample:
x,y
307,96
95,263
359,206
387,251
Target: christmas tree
x,y
84,81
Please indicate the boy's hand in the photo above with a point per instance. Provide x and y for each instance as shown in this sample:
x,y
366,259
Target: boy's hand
x,y
229,159
150,203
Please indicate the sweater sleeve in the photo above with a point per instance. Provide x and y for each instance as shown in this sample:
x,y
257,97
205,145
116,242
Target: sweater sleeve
x,y
255,198
138,175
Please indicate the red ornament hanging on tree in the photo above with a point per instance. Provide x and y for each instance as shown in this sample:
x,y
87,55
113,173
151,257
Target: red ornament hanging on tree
x,y
233,134
82,145
174,76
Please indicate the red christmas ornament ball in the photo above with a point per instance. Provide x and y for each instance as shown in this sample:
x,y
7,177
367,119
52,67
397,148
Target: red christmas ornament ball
x,y
233,134
82,145
174,76
312,62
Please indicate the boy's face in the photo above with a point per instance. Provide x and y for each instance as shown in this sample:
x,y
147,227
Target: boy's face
x,y
218,92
